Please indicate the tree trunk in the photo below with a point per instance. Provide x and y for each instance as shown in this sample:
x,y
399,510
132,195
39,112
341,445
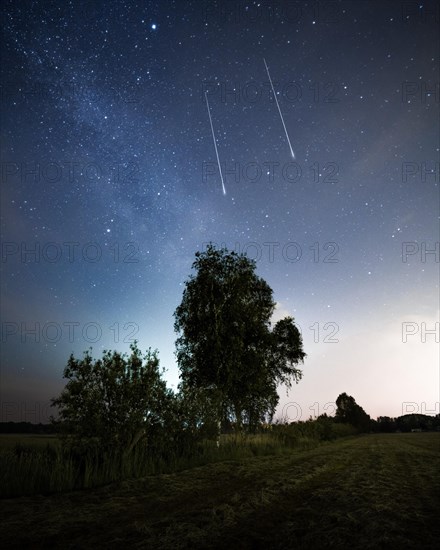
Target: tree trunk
x,y
134,441
238,413
219,427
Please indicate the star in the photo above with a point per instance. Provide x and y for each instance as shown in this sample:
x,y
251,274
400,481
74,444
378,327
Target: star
x,y
113,152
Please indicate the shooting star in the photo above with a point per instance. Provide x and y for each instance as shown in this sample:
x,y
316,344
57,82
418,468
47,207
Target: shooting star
x,y
279,110
215,143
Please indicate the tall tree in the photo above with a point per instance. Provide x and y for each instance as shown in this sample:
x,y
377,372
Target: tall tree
x,y
226,345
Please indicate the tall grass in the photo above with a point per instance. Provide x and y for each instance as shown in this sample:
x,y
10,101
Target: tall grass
x,y
27,470
30,470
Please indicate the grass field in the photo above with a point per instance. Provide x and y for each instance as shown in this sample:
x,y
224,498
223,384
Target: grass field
x,y
372,491
32,465
8,441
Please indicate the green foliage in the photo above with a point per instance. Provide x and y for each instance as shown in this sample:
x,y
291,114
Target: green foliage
x,y
408,422
226,346
196,411
32,468
349,412
311,432
114,402
288,352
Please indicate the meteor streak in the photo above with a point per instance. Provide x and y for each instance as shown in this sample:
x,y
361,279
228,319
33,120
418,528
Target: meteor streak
x,y
215,143
279,110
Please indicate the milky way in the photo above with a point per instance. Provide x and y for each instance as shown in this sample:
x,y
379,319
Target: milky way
x,y
110,184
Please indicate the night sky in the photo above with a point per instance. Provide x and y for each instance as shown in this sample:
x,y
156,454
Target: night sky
x,y
110,184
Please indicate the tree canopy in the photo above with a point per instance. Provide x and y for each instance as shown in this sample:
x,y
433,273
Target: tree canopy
x,y
350,412
226,346
117,400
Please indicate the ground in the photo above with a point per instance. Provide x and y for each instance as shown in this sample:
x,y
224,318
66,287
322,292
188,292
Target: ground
x,y
372,491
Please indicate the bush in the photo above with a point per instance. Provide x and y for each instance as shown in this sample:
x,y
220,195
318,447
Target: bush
x,y
27,470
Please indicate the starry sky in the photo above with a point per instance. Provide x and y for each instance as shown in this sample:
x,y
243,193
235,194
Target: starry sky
x,y
111,183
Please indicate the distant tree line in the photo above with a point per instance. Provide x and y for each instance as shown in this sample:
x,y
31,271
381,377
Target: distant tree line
x,y
349,412
407,423
383,424
26,428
